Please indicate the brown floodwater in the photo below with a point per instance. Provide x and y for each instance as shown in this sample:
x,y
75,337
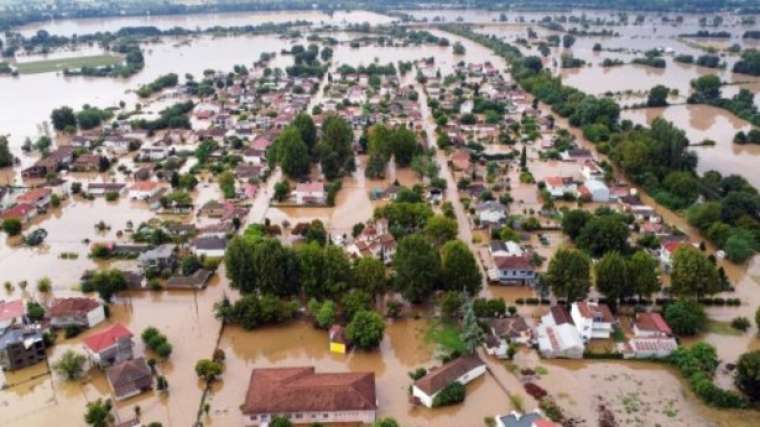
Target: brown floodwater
x,y
186,317
705,122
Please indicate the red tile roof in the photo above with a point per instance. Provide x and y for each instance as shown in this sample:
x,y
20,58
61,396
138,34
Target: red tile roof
x,y
19,211
652,322
107,338
11,309
521,262
595,311
69,306
285,390
32,196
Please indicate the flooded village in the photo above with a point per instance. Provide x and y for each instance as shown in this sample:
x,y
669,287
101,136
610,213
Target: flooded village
x,y
396,217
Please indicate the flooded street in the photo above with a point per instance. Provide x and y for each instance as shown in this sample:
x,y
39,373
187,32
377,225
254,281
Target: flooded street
x,y
639,393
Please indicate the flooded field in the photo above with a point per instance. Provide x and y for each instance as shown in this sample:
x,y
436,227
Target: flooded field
x,y
705,122
640,394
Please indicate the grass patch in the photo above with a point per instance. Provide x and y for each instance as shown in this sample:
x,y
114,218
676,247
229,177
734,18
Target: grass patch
x,y
50,65
722,328
446,336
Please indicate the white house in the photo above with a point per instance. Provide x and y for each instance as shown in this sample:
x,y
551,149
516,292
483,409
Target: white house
x,y
591,171
592,320
667,249
651,324
513,270
310,193
154,153
211,246
144,190
462,370
596,191
466,107
645,348
559,341
499,248
83,312
558,186
491,213
530,419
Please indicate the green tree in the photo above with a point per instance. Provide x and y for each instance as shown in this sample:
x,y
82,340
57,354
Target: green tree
x,y
603,234
6,157
307,129
385,422
238,266
227,184
748,375
573,222
292,153
281,190
459,268
658,96
208,370
98,413
568,40
354,301
693,274
568,274
686,317
324,313
643,277
63,118
12,226
757,318
335,148
366,329
611,275
739,247
107,283
369,275
279,421
70,365
472,335
440,229
706,89
417,268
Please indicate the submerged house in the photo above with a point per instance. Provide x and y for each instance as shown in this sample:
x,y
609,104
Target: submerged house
x,y
593,320
304,396
129,378
461,370
78,311
111,346
21,346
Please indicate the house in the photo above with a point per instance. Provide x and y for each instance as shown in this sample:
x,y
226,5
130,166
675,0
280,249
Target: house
x,y
558,186
21,346
87,163
310,193
557,315
129,378
461,160
531,419
53,162
144,190
77,311
592,320
462,370
11,313
39,198
651,324
515,329
559,341
212,246
304,396
103,188
500,248
648,347
197,280
374,240
154,153
110,346
161,257
212,209
591,171
246,173
23,212
491,213
338,340
595,191
667,249
513,270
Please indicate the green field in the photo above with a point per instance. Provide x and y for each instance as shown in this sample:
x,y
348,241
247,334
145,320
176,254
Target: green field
x,y
50,65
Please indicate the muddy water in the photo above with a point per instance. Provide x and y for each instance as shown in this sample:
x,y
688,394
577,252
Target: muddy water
x,y
704,122
70,27
299,344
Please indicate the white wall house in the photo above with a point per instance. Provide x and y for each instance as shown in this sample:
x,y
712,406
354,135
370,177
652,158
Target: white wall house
x,y
461,370
559,341
592,320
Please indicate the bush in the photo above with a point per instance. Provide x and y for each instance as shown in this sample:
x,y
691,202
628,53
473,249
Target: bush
x,y
686,317
748,375
366,329
112,196
740,324
12,227
157,342
450,395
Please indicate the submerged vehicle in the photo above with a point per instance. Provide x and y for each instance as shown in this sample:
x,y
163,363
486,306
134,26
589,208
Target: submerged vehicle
x,y
36,237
